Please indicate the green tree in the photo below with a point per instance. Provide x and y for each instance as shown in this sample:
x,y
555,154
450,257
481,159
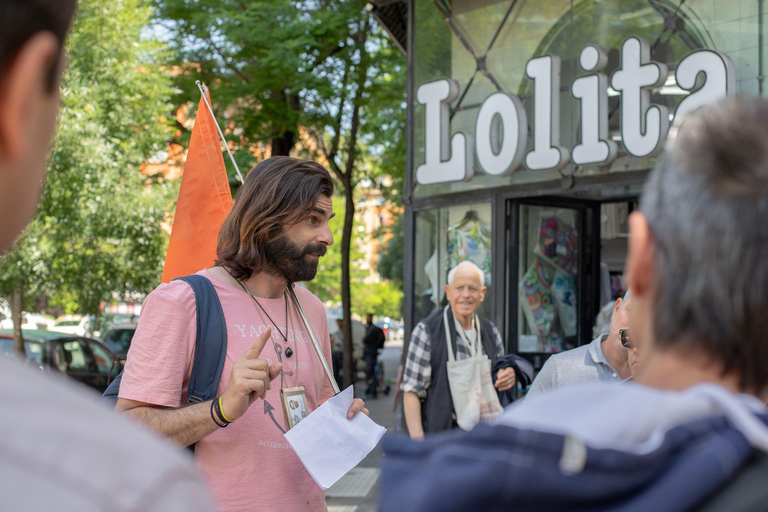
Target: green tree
x,y
99,229
391,260
380,299
281,69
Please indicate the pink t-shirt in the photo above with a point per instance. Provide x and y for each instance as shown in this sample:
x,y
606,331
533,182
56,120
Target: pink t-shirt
x,y
249,465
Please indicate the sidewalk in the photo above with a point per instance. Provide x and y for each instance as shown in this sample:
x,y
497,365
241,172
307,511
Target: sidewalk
x,y
358,490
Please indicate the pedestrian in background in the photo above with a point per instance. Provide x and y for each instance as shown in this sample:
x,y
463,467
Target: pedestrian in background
x,y
454,334
373,341
603,360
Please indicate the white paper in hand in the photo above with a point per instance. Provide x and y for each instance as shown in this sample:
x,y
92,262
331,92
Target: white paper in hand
x,y
329,444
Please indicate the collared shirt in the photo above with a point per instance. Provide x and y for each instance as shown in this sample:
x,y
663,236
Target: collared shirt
x,y
582,364
417,373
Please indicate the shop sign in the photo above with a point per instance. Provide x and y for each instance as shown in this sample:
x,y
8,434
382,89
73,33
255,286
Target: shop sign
x,y
501,128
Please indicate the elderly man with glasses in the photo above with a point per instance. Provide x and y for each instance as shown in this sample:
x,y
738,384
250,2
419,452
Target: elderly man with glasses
x,y
606,359
633,352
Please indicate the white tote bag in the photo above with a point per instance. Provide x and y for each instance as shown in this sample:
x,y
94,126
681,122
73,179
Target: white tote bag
x,y
474,397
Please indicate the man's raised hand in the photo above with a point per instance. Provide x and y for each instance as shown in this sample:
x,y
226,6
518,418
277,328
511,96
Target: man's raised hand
x,y
250,379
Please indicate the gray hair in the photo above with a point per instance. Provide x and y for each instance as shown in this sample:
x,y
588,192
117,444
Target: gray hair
x,y
707,205
467,264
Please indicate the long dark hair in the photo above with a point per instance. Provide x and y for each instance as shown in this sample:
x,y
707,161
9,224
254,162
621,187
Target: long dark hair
x,y
278,192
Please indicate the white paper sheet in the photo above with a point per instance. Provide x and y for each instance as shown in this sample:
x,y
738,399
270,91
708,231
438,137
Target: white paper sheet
x,y
329,444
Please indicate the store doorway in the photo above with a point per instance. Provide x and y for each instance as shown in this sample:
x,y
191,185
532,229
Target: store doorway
x,y
565,265
614,239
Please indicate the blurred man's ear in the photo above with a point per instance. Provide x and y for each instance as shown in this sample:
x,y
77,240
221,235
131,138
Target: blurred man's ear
x,y
24,84
617,305
640,257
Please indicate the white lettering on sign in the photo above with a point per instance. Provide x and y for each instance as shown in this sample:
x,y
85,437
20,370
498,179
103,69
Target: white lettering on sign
x,y
644,127
708,74
500,134
547,153
501,127
442,163
592,93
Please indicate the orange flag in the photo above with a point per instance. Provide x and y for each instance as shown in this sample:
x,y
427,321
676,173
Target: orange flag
x,y
204,201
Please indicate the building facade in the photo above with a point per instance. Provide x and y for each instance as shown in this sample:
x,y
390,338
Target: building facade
x,y
532,127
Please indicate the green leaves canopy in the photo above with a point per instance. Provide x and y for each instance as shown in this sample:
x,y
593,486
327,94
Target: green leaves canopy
x,y
99,230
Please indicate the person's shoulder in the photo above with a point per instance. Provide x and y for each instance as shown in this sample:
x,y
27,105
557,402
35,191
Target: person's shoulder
x,y
487,323
309,300
97,449
172,292
566,356
305,295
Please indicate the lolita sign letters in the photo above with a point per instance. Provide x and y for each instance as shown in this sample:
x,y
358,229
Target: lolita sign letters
x,y
501,128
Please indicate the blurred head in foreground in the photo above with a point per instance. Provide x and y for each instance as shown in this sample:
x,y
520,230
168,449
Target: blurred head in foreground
x,y
698,253
32,36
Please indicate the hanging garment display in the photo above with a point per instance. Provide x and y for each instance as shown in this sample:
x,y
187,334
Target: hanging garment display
x,y
470,240
558,244
536,299
564,295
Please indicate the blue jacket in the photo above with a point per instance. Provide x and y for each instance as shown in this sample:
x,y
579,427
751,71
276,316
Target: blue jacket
x,y
504,468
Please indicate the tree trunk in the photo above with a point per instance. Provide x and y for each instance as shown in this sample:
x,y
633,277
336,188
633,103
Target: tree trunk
x,y
17,306
283,143
283,140
346,295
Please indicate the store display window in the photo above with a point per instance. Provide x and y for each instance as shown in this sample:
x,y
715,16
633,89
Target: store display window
x,y
448,236
549,279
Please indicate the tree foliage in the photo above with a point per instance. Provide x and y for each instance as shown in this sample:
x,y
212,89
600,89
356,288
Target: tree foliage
x,y
99,229
318,72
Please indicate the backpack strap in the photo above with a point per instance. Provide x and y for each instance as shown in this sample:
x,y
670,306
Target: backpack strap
x,y
210,342
210,346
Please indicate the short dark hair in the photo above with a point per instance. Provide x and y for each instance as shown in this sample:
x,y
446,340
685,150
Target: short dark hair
x,y
278,192
20,20
707,205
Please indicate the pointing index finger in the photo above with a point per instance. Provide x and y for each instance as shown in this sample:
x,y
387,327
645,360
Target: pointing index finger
x,y
255,351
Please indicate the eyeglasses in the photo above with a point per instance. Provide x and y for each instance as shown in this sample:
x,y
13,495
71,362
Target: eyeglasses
x,y
626,341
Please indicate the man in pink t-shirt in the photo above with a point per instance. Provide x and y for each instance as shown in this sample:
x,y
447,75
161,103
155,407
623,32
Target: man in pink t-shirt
x,y
274,237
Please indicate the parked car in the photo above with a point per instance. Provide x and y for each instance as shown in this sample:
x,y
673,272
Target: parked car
x,y
84,359
78,325
118,338
106,321
28,321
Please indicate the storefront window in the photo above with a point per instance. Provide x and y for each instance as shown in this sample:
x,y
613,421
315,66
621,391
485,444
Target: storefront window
x,y
484,46
549,279
448,236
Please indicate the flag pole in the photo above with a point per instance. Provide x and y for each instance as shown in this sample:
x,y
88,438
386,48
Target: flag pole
x,y
203,88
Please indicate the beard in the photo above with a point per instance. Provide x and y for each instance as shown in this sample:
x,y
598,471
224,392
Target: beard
x,y
289,260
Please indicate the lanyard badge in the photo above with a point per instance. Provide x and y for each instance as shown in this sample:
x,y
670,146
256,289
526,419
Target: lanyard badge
x,y
294,402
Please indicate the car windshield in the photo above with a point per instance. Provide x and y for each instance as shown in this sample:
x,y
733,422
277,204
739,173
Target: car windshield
x,y
68,323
